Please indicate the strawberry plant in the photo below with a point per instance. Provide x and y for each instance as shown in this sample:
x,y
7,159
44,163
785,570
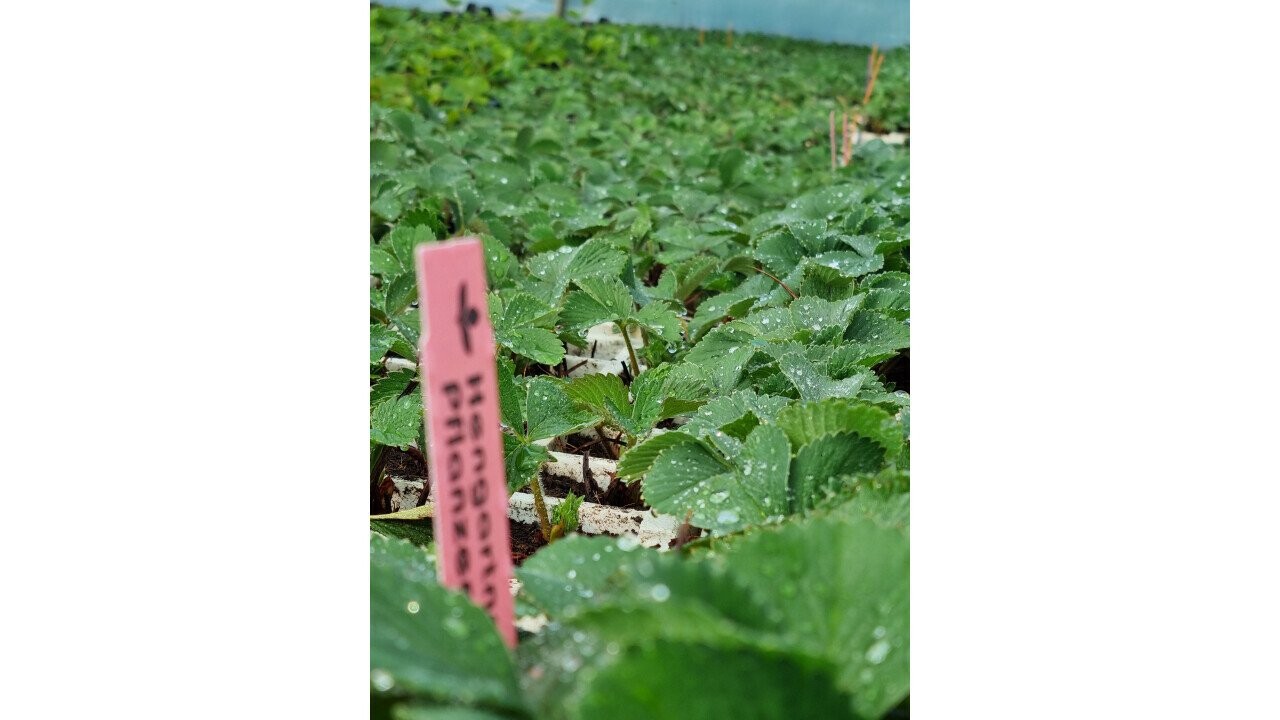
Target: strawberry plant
x,y
698,317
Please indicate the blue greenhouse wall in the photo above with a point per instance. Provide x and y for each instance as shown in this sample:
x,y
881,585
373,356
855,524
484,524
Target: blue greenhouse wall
x,y
857,22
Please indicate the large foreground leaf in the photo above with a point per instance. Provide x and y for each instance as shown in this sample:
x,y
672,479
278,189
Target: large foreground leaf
x,y
708,683
428,643
842,588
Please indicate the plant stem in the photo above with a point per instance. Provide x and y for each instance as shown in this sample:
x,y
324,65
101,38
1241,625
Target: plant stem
x,y
604,440
631,352
771,277
376,461
544,522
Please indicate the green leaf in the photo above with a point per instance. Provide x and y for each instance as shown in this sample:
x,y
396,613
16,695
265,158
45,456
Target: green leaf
x,y
722,353
727,410
418,532
810,379
823,321
541,346
805,422
841,586
661,321
429,643
566,513
422,712
727,683
594,392
818,465
397,422
552,271
779,252
400,292
516,309
609,293
581,312
688,477
511,397
390,387
381,338
825,282
562,575
522,461
878,332
393,255
850,263
498,261
649,389
637,460
608,587
550,412
729,165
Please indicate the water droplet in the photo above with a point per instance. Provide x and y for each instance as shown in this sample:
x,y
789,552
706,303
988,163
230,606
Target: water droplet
x,y
877,652
628,543
613,648
660,592
727,516
412,607
381,679
503,181
455,627
572,574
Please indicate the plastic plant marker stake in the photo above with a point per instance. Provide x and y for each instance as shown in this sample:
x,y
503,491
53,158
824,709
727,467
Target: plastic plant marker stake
x,y
460,392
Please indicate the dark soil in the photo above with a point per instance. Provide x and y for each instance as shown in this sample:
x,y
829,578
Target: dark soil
x,y
618,494
525,540
578,443
622,495
558,486
401,463
897,370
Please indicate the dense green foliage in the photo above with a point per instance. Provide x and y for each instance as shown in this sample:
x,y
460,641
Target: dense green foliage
x,y
632,176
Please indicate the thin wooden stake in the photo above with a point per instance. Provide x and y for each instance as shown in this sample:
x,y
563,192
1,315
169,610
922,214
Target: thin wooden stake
x,y
702,36
844,140
729,38
832,120
871,84
848,144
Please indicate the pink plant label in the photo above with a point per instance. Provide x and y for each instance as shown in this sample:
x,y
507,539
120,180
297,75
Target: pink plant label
x,y
464,437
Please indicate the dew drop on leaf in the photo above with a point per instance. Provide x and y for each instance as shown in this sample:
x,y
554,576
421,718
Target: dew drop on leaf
x,y
877,652
381,680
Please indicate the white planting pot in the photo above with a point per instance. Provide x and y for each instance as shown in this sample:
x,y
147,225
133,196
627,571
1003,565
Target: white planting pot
x,y
650,528
604,342
893,138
